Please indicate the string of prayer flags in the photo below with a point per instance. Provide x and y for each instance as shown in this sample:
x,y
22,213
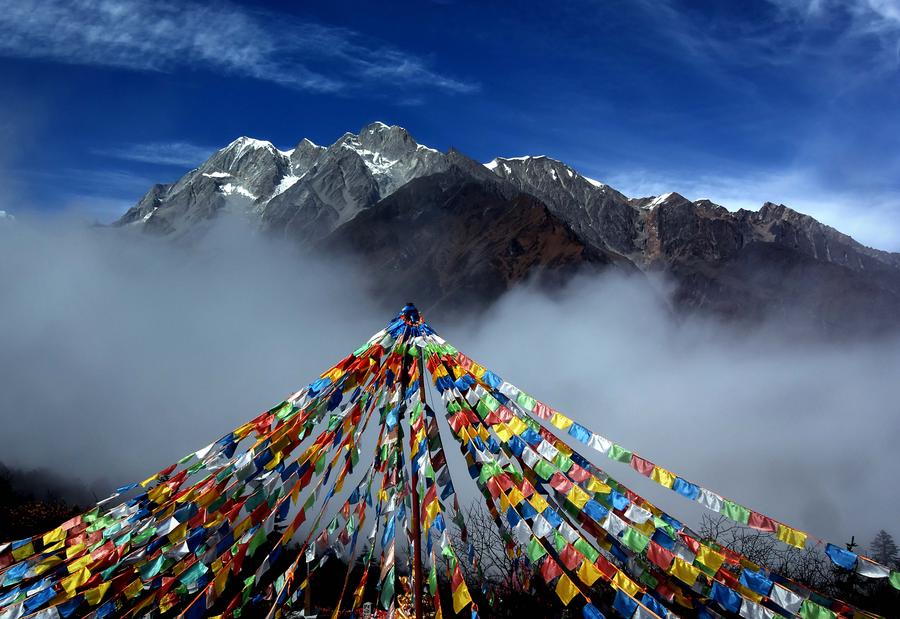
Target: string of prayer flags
x,y
211,534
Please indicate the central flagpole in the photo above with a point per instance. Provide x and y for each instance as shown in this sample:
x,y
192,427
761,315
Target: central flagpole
x,y
416,533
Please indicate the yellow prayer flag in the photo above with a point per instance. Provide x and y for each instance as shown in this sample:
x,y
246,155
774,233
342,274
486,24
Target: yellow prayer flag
x,y
538,502
503,432
71,551
648,527
749,593
477,370
662,477
431,510
517,425
220,582
595,485
621,581
566,589
95,595
560,421
461,597
588,572
78,578
56,535
23,551
46,564
710,558
79,563
504,502
134,589
515,496
791,537
683,571
577,497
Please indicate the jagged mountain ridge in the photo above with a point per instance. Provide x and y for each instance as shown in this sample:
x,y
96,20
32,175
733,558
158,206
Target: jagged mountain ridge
x,y
741,263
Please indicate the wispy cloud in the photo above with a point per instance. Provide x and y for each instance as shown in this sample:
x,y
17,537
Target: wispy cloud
x,y
181,154
224,38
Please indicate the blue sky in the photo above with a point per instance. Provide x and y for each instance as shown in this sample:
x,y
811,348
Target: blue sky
x,y
792,101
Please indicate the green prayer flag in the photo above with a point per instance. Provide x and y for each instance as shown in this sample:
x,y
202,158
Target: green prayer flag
x,y
387,590
559,542
258,539
736,512
648,579
563,462
535,550
525,401
635,540
895,580
811,610
619,453
432,580
582,546
489,470
491,402
544,469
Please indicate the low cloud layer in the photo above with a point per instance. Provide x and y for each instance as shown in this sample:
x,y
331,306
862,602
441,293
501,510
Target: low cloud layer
x,y
119,354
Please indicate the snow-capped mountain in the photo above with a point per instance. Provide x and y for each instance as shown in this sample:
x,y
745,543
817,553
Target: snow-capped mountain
x,y
533,214
304,193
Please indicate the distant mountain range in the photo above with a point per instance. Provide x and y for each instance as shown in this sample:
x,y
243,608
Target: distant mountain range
x,y
447,230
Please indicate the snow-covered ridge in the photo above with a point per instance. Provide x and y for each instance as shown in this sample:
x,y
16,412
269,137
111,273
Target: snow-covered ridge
x,y
244,144
570,173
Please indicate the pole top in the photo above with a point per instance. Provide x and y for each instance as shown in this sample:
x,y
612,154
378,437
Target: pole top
x,y
411,315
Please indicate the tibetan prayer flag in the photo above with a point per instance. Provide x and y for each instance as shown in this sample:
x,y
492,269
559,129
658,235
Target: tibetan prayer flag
x,y
786,599
710,500
642,466
619,453
663,477
550,569
686,488
535,550
871,569
710,558
566,589
840,557
621,581
589,611
624,605
727,598
736,512
561,421
761,523
791,537
634,540
756,582
588,573
683,571
811,610
659,556
580,433
461,597
895,580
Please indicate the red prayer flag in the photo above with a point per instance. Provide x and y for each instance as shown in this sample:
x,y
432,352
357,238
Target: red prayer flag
x,y
550,569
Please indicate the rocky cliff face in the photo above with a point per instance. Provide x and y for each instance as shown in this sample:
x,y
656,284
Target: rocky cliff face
x,y
450,228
